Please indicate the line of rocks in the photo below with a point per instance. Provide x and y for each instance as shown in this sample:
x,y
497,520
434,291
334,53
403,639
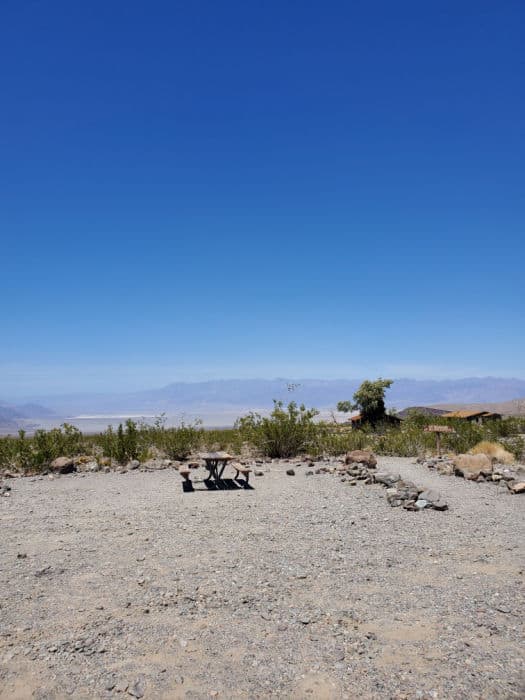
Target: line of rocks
x,y
478,468
361,465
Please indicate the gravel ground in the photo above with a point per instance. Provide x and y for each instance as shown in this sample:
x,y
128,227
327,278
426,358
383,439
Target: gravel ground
x,y
119,585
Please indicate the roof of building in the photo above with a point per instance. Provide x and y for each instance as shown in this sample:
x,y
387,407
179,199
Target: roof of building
x,y
469,414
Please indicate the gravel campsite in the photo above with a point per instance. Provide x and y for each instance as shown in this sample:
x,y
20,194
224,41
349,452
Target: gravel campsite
x,y
307,585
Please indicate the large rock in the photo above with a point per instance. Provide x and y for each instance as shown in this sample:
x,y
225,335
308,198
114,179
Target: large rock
x,y
472,466
432,499
361,457
63,465
386,479
518,487
403,493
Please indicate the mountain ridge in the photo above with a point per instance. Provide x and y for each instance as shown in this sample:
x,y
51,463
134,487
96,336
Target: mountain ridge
x,y
257,393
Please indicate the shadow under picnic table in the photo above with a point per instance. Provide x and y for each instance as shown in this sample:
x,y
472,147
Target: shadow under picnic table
x,y
221,485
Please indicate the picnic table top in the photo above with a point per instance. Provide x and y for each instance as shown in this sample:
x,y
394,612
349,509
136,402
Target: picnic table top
x,y
216,455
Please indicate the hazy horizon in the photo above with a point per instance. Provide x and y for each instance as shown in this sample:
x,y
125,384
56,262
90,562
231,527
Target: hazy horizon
x,y
14,389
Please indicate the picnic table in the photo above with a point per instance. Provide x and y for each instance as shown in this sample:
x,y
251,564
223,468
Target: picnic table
x,y
216,464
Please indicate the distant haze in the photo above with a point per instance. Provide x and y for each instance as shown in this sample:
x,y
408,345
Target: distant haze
x,y
221,402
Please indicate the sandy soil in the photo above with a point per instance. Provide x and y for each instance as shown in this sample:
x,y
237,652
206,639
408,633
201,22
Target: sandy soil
x,y
120,585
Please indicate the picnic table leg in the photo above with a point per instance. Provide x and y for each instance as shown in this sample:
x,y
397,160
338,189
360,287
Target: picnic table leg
x,y
211,466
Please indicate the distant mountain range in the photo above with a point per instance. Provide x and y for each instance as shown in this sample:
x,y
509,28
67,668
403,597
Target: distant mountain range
x,y
230,397
13,416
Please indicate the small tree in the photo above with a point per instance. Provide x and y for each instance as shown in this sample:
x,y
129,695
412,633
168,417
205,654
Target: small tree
x,y
369,400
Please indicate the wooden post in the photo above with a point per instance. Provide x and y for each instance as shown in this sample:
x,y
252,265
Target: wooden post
x,y
438,429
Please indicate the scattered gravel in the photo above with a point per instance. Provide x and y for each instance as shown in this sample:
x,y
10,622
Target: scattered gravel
x,y
122,585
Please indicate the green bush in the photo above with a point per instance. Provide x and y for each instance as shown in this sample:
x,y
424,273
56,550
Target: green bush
x,y
228,439
179,442
37,452
127,443
286,432
336,441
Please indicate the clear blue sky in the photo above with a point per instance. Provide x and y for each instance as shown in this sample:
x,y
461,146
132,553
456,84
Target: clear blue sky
x,y
237,189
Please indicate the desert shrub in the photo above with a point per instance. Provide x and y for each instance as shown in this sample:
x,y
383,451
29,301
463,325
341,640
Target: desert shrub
x,y
15,453
336,441
24,451
286,432
228,439
128,442
47,445
410,439
402,442
493,450
6,452
36,452
179,442
516,445
176,443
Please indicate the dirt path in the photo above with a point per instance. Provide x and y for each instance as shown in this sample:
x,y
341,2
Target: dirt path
x,y
113,585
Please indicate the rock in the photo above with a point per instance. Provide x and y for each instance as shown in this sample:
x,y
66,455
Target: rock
x,y
471,467
518,487
88,466
429,495
411,505
290,472
362,457
509,475
63,465
133,464
503,609
445,468
387,479
258,472
138,688
392,496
